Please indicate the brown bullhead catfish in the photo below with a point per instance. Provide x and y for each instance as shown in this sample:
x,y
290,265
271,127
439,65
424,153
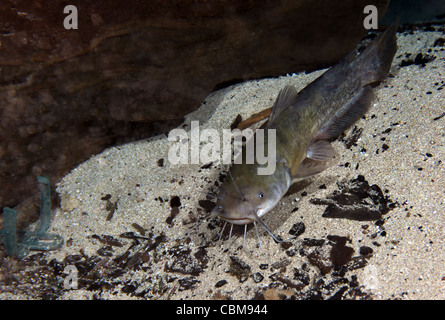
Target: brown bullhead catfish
x,y
305,122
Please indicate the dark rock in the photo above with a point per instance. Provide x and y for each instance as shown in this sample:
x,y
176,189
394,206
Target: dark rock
x,y
356,200
280,264
207,205
175,202
420,60
352,139
185,263
440,42
320,259
365,250
297,229
239,268
312,242
340,253
173,213
264,266
301,276
187,283
257,277
220,283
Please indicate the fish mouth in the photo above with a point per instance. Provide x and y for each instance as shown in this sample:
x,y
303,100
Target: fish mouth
x,y
245,220
239,221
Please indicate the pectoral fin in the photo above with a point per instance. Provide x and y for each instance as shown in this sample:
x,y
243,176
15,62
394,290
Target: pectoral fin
x,y
318,153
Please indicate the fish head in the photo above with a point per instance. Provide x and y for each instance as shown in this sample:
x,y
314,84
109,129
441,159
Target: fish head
x,y
245,196
240,209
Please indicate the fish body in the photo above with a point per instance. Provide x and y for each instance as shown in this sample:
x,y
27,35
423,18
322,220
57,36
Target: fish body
x,y
304,124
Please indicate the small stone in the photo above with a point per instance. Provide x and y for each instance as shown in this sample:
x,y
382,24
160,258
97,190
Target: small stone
x,y
220,283
69,202
297,229
365,250
257,277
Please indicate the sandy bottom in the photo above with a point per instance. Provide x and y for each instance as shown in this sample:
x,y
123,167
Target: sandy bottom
x,y
137,227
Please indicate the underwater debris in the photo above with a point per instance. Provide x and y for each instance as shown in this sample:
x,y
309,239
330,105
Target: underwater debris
x,y
420,60
439,117
239,268
352,139
254,119
356,200
111,207
30,240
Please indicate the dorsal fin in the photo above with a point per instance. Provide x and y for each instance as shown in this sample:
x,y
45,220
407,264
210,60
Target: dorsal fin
x,y
286,98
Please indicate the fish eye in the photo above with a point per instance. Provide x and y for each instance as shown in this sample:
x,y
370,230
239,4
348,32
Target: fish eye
x,y
260,195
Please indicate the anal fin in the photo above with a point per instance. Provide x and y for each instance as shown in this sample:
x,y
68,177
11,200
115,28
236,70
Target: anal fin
x,y
320,150
349,113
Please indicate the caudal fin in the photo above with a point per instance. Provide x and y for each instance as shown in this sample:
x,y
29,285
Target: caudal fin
x,y
377,57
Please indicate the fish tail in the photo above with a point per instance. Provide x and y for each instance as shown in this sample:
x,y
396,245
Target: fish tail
x,y
378,56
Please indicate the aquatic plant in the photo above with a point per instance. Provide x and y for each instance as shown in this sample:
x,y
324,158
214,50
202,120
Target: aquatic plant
x,y
18,243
